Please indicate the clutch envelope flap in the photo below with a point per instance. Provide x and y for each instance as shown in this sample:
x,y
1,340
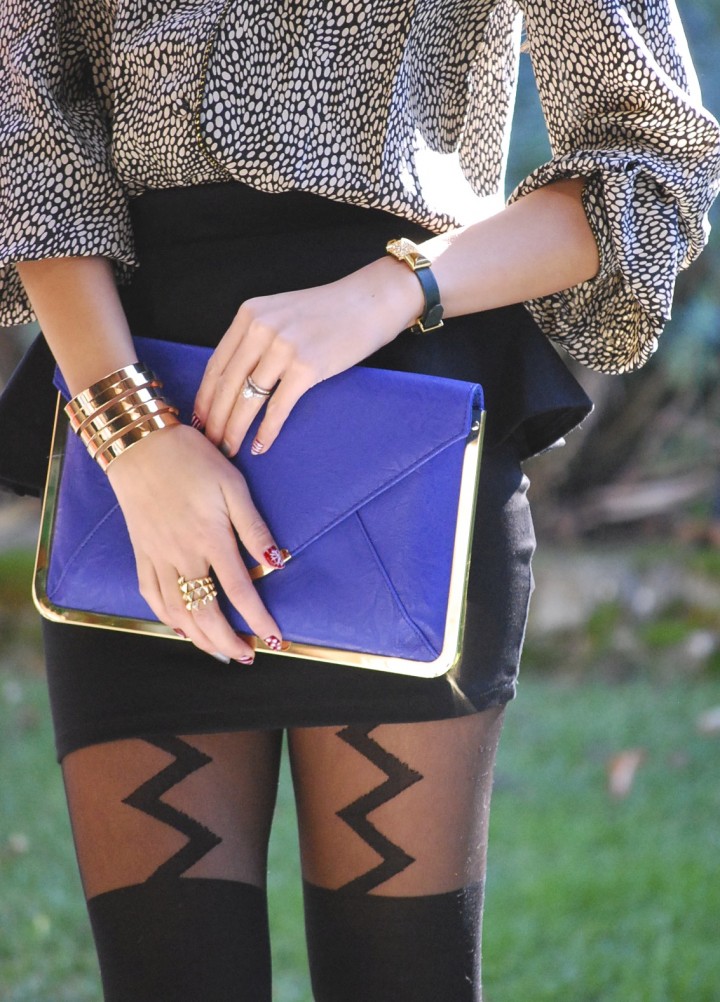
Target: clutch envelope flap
x,y
361,487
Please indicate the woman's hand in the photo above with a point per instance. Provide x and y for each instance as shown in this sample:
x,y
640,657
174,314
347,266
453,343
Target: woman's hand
x,y
181,500
295,340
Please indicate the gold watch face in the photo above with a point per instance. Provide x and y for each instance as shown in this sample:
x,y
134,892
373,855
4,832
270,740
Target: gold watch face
x,y
408,252
404,250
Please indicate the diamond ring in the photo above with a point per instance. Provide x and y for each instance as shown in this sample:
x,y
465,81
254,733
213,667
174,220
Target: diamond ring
x,y
251,389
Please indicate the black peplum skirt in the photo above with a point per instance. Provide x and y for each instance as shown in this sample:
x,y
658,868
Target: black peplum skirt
x,y
202,251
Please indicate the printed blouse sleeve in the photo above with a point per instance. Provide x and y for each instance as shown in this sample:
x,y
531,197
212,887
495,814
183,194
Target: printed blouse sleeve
x,y
622,106
59,195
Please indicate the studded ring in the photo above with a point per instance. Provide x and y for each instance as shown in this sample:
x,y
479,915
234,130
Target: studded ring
x,y
197,592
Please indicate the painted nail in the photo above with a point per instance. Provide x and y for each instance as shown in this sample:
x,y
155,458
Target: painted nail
x,y
257,447
273,558
226,449
196,422
221,657
246,661
180,633
274,643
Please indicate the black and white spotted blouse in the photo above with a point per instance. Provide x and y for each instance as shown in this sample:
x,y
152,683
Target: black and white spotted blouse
x,y
399,104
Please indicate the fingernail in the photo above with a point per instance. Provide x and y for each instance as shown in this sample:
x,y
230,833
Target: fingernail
x,y
257,447
180,633
196,422
221,657
226,449
274,558
246,661
274,643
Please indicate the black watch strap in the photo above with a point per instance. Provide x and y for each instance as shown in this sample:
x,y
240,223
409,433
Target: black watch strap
x,y
432,316
410,254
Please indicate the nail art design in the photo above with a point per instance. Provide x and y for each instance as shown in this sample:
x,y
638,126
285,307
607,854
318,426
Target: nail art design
x,y
274,643
226,449
196,422
274,558
257,447
180,633
246,661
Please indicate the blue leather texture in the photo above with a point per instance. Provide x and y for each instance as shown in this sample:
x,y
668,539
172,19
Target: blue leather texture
x,y
361,487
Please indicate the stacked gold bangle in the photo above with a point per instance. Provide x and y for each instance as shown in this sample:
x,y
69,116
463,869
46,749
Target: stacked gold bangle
x,y
118,411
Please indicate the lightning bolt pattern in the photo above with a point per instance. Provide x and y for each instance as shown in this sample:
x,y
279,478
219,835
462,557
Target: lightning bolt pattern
x,y
399,778
147,799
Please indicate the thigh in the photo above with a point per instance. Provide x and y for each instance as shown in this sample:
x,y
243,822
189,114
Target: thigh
x,y
395,809
192,806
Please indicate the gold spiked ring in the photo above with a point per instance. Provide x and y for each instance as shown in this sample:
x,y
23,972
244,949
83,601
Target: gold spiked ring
x,y
197,592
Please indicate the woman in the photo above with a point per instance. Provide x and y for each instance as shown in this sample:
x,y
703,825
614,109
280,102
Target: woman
x,y
254,160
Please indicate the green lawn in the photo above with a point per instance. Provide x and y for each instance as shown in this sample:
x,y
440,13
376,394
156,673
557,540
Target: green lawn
x,y
588,898
595,899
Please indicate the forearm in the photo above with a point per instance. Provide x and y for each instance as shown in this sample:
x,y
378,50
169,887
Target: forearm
x,y
173,526
539,245
81,316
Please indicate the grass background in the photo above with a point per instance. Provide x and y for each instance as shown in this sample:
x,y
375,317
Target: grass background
x,y
589,897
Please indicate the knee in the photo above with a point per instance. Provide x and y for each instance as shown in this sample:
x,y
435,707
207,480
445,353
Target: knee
x,y
392,949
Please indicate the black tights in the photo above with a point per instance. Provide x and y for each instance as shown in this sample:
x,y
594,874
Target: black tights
x,y
172,834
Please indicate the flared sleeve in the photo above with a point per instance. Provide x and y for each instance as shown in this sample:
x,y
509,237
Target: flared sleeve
x,y
59,195
623,110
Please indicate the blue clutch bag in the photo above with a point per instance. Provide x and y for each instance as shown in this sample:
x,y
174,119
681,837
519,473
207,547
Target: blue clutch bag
x,y
370,486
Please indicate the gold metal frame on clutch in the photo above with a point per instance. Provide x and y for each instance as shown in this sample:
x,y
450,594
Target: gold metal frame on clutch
x,y
454,623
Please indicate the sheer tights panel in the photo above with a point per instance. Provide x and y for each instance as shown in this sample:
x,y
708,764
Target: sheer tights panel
x,y
393,832
171,836
172,831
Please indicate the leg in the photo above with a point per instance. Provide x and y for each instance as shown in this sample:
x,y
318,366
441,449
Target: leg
x,y
171,835
393,836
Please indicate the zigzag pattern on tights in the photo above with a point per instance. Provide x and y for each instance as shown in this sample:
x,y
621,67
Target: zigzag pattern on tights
x,y
399,777
147,799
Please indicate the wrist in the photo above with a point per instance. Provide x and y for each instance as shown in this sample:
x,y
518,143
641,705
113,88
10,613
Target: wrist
x,y
133,464
407,253
119,411
394,293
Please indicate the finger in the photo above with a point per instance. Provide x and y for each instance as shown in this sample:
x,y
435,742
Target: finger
x,y
217,363
228,394
232,574
238,398
247,407
150,589
206,391
293,385
166,604
249,523
181,618
261,545
236,355
206,626
224,640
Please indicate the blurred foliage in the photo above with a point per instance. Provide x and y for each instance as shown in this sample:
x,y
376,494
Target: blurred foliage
x,y
691,343
660,424
692,339
621,612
